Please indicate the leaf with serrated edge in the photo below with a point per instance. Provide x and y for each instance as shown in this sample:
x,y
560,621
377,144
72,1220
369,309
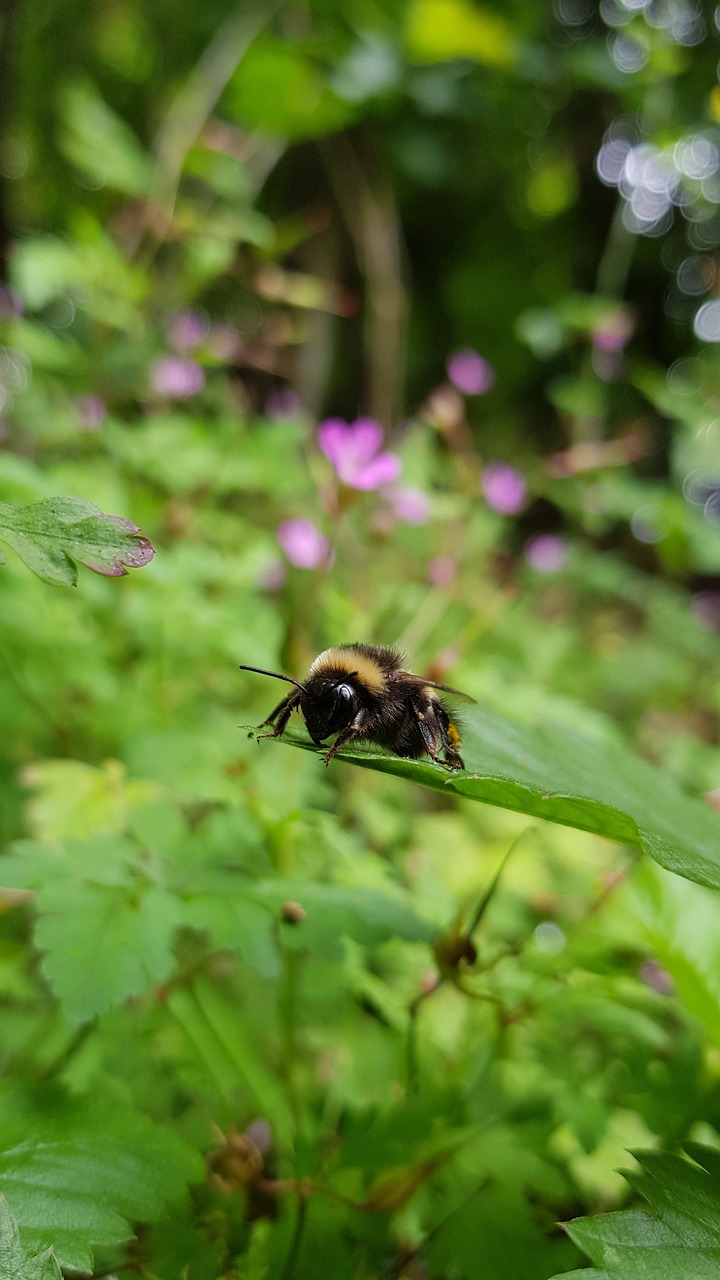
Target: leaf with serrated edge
x,y
103,944
53,535
552,772
78,1173
678,1238
15,1262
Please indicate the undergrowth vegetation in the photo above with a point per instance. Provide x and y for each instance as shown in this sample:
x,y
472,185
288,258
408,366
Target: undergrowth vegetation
x,y
394,324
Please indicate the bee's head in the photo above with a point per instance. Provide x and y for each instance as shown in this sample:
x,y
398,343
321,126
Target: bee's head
x,y
329,703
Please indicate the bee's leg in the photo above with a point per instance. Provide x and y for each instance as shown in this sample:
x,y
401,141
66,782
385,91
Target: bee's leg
x,y
281,714
437,729
427,726
352,730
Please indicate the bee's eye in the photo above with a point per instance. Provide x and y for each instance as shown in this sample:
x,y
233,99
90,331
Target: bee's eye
x,y
344,693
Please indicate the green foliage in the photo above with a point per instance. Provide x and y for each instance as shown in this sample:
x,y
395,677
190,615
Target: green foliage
x,y
259,1018
15,1261
678,1238
52,535
75,1172
551,772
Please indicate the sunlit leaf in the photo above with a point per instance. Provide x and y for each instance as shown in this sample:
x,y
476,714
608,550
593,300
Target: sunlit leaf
x,y
103,944
551,772
100,143
438,30
279,90
54,535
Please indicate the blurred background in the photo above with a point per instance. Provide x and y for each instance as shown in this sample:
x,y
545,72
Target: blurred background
x,y
393,321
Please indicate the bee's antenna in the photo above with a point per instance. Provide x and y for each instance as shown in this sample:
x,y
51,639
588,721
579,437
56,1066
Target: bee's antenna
x,y
276,675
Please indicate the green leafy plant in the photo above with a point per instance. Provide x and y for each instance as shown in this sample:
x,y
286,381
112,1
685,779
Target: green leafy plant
x,y
261,1020
16,1262
75,1173
52,535
676,1238
551,772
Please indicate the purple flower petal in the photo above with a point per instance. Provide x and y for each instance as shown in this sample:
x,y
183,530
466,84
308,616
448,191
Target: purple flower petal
x,y
504,488
187,329
92,411
386,468
705,608
469,372
410,505
176,378
613,332
352,448
331,436
303,543
547,553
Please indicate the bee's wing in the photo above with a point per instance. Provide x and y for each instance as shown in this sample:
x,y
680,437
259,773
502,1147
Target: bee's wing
x,y
433,684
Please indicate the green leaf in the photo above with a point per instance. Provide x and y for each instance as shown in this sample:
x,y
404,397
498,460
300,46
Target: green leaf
x,y
51,535
15,1262
106,930
438,30
235,922
77,1172
552,772
214,1027
679,922
334,911
279,90
678,1239
103,944
100,143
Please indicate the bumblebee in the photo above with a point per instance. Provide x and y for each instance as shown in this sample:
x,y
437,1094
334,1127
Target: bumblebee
x,y
363,692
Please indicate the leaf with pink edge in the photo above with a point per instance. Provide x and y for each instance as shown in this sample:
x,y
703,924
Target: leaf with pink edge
x,y
55,535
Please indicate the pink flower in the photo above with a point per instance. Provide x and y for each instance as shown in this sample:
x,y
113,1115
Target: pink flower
x,y
547,553
283,402
705,608
176,378
410,505
504,488
469,372
353,448
303,543
655,976
441,571
92,412
187,329
613,332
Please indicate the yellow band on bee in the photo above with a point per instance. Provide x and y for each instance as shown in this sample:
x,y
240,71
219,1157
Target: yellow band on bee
x,y
351,662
